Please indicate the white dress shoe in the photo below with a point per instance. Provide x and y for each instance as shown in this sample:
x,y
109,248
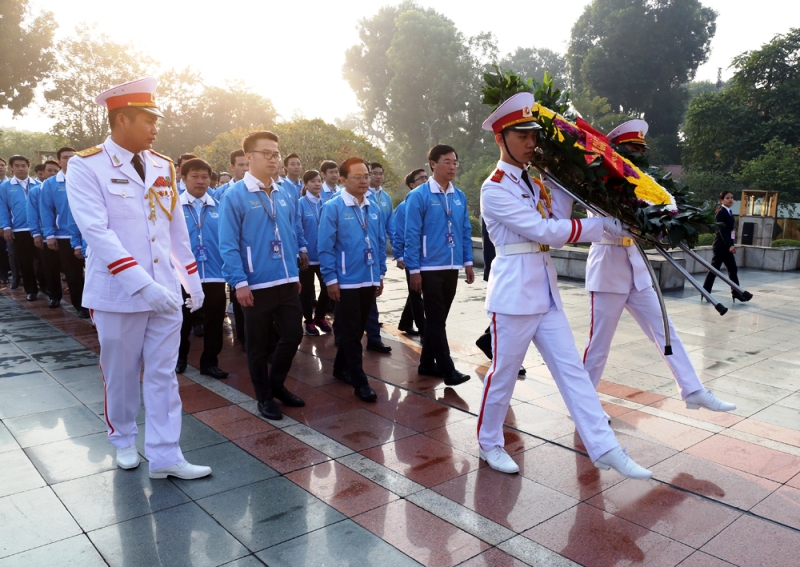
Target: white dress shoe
x,y
499,460
128,458
182,470
608,417
619,460
705,399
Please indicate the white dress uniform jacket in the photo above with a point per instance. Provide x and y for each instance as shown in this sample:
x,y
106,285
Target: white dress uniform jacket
x,y
111,205
506,197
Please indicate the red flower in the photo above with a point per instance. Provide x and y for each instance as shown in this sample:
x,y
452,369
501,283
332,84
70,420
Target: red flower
x,y
161,182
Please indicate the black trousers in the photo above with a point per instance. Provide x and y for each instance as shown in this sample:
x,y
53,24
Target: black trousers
x,y
351,313
307,277
438,291
26,253
414,310
238,316
278,306
214,307
73,269
722,256
5,263
51,270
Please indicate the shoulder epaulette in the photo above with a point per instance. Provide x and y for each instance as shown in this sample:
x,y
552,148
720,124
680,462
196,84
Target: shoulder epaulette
x,y
89,151
498,175
160,155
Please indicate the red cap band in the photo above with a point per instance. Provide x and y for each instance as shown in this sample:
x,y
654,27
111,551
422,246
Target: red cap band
x,y
516,117
132,99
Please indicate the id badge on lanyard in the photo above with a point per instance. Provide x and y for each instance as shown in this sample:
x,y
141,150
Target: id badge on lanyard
x,y
369,253
275,246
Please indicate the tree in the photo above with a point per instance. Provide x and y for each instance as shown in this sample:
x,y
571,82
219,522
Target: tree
x,y
533,62
26,43
17,142
195,114
776,169
638,54
313,140
748,121
88,63
417,80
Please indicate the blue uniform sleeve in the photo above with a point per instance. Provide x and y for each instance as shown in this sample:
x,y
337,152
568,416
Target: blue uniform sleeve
x,y
382,251
75,237
399,231
390,224
32,210
302,243
230,230
47,210
467,234
5,216
413,232
326,243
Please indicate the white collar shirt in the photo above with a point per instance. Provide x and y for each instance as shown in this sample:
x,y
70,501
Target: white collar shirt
x,y
123,155
351,201
205,200
254,185
61,177
436,188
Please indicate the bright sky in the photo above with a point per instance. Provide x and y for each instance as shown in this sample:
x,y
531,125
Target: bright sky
x,y
298,65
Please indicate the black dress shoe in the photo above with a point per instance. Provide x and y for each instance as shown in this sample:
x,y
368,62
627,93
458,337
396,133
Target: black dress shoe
x,y
522,371
14,283
343,375
180,367
366,394
32,297
411,331
198,330
214,372
379,347
290,399
53,303
83,313
455,378
484,343
269,409
429,371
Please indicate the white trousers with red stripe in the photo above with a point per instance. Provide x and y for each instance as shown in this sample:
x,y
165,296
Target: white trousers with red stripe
x,y
127,340
552,336
644,308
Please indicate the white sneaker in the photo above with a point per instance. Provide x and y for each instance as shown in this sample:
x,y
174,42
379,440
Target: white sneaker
x,y
705,399
128,458
499,460
182,470
619,460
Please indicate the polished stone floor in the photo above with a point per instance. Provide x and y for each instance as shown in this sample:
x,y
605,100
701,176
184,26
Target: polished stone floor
x,y
399,482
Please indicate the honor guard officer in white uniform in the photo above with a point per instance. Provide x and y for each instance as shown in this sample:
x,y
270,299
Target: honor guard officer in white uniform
x,y
523,300
124,201
617,278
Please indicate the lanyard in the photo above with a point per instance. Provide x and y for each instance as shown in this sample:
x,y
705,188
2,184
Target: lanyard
x,y
24,187
363,220
314,208
274,213
198,222
447,203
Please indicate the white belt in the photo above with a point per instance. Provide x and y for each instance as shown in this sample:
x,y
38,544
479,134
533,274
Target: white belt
x,y
521,248
616,242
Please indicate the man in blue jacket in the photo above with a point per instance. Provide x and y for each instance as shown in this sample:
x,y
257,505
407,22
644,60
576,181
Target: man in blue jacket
x,y
14,220
202,220
352,255
47,265
258,239
438,243
55,219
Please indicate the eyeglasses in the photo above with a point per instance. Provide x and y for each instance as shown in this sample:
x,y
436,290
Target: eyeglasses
x,y
448,163
268,155
359,178
420,179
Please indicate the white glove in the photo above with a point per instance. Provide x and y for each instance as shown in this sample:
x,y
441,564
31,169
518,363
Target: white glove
x,y
613,228
159,298
195,301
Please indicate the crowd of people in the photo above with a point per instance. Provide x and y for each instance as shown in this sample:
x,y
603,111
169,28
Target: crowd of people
x,y
170,246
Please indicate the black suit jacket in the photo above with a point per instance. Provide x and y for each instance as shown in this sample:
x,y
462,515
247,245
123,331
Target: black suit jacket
x,y
488,251
723,240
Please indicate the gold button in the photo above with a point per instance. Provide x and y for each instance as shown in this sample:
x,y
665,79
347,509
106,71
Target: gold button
x,y
123,193
153,239
155,261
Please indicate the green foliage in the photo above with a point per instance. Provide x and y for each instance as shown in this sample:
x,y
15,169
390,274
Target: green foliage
x,y
26,42
475,222
705,239
777,169
89,63
28,143
471,177
597,111
785,243
707,185
313,140
639,53
535,62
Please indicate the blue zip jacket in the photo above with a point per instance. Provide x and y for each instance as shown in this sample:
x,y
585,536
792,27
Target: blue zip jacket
x,y
246,232
217,193
342,243
14,204
398,244
311,213
207,235
426,243
75,238
384,202
32,210
54,207
328,195
295,188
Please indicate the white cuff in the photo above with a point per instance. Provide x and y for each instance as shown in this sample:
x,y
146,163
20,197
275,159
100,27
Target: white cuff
x,y
51,238
414,271
467,264
304,249
333,281
398,259
241,285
